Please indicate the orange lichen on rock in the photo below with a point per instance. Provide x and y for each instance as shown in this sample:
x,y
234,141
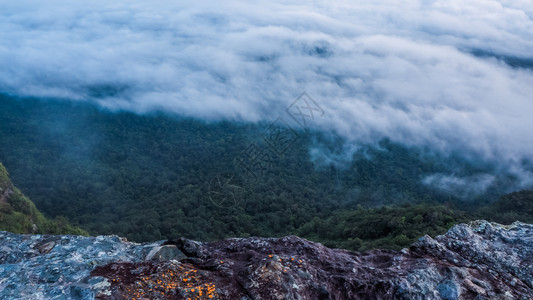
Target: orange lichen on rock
x,y
162,281
288,262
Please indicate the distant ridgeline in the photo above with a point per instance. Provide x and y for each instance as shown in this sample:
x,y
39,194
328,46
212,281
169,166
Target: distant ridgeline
x,y
160,176
19,215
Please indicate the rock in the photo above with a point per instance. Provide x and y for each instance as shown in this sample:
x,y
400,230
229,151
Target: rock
x,y
58,267
480,260
46,245
189,247
164,253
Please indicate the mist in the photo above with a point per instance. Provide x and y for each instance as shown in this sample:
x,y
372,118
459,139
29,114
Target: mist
x,y
422,73
462,187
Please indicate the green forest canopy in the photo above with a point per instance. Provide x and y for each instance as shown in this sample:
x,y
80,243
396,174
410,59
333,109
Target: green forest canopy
x,y
19,215
156,176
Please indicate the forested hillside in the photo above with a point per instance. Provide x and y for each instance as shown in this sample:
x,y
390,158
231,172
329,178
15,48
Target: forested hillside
x,y
19,215
156,176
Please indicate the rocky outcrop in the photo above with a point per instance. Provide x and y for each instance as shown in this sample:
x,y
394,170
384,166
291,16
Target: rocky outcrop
x,y
478,261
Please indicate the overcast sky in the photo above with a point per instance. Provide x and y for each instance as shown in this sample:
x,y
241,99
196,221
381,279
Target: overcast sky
x,y
398,68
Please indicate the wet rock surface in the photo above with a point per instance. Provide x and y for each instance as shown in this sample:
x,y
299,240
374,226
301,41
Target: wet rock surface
x,y
477,261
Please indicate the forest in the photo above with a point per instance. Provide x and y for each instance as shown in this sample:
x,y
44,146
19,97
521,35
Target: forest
x,y
158,176
18,214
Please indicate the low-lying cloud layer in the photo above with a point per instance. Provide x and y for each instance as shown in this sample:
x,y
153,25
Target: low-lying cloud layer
x,y
402,69
461,187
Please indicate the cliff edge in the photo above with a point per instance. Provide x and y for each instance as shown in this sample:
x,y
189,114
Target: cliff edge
x,y
480,260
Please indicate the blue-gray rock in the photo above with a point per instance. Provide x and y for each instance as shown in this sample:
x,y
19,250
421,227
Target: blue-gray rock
x,y
480,260
58,267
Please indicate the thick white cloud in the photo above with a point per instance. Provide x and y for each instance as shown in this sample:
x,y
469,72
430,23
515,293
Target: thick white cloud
x,y
393,68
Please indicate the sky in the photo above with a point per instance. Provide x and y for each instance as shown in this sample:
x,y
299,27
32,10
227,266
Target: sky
x,y
423,73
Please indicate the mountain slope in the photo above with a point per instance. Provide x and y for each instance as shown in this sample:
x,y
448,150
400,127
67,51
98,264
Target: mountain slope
x,y
19,215
158,176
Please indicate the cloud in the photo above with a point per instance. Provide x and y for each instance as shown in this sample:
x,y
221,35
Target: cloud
x,y
458,186
403,69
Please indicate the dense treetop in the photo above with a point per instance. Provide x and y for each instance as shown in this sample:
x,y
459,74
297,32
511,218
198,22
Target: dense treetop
x,y
156,176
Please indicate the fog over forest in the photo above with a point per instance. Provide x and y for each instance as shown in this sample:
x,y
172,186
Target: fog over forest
x,y
452,75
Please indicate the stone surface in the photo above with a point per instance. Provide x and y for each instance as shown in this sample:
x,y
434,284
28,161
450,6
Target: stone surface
x,y
478,261
165,253
58,267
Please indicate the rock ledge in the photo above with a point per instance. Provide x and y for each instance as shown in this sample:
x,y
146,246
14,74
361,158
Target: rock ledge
x,y
480,260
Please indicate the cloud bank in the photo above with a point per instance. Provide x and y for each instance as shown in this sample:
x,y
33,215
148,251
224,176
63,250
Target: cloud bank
x,y
403,69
